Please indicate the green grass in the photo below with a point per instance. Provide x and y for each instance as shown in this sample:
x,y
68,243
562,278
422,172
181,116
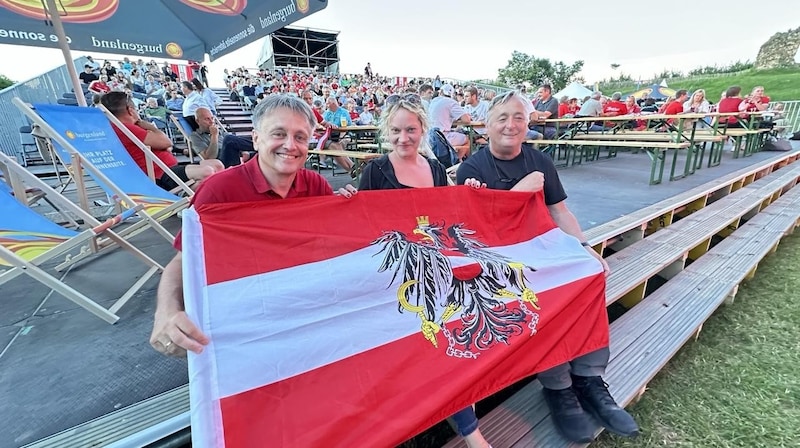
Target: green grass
x,y
781,84
739,384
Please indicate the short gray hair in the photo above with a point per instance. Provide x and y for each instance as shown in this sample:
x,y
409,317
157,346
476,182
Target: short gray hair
x,y
597,94
616,96
272,103
503,99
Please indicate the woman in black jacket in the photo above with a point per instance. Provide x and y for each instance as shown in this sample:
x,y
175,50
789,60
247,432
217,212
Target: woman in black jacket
x,y
411,164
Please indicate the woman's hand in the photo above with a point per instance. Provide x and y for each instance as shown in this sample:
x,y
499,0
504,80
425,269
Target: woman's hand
x,y
348,191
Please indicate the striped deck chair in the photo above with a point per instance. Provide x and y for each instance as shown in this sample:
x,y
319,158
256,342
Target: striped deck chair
x,y
84,139
28,239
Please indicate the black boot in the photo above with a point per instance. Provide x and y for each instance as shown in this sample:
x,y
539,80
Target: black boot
x,y
593,394
571,420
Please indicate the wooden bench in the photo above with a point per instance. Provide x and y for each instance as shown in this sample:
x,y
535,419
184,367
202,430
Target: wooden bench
x,y
645,338
655,150
700,140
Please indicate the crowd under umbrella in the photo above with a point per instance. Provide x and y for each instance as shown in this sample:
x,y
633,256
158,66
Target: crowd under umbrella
x,y
168,29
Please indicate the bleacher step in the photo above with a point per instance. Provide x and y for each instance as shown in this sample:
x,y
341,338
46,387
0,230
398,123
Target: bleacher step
x,y
644,339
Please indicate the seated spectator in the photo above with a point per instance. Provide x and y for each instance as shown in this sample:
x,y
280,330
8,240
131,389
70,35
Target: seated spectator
x,y
676,106
210,142
152,87
755,102
614,108
175,101
650,106
546,107
697,103
100,86
192,101
634,109
592,107
121,106
335,118
137,79
477,111
443,112
572,108
156,114
88,75
366,118
563,106
167,73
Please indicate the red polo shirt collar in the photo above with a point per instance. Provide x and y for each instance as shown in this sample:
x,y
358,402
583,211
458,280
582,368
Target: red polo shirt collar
x,y
253,170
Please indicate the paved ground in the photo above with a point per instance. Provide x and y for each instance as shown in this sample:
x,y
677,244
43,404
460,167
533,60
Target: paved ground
x,y
60,366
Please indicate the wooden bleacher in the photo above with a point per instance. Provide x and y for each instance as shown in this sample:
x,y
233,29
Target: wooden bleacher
x,y
645,338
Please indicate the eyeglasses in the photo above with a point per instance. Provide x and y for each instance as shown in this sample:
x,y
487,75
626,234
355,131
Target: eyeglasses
x,y
412,98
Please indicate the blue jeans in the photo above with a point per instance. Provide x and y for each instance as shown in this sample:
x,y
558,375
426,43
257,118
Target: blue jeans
x,y
466,421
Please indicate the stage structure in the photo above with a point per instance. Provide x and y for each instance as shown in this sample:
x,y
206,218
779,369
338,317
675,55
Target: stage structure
x,y
303,48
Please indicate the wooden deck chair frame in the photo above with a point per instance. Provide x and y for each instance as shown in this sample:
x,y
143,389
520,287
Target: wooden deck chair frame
x,y
96,237
78,163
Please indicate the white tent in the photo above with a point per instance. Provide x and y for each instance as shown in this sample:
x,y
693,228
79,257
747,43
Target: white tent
x,y
574,90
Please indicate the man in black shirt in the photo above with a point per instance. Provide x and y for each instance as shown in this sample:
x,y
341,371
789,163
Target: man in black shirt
x,y
88,75
572,390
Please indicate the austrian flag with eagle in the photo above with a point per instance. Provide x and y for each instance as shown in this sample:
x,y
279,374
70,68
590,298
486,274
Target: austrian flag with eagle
x,y
364,321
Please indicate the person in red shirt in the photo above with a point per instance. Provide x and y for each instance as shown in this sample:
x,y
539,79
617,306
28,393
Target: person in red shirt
x,y
121,106
614,108
676,106
730,104
563,106
283,125
756,101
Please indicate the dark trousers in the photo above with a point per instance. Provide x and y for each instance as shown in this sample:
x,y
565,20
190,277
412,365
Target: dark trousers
x,y
232,148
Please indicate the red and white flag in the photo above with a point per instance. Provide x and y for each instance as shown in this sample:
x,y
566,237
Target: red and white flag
x,y
361,322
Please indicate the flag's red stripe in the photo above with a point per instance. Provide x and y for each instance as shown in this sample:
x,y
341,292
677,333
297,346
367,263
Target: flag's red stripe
x,y
242,240
386,395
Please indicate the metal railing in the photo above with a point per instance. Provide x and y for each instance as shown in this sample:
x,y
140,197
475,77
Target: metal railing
x,y
791,115
45,88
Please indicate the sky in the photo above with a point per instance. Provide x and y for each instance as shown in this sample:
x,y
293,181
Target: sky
x,y
472,39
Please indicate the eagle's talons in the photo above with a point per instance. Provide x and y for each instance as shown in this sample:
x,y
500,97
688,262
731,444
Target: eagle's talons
x,y
429,330
505,294
449,311
530,297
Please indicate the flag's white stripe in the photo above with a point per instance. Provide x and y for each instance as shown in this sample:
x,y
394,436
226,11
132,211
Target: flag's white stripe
x,y
297,319
206,415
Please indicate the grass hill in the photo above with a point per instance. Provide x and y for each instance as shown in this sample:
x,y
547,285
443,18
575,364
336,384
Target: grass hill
x,y
780,84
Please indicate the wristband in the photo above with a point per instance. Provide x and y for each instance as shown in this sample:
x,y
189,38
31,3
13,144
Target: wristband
x,y
585,244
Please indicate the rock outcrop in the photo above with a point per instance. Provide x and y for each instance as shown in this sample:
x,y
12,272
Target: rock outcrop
x,y
780,50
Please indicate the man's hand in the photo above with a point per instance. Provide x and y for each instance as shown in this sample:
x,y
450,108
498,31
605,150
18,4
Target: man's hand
x,y
213,130
174,334
533,182
606,269
474,183
144,124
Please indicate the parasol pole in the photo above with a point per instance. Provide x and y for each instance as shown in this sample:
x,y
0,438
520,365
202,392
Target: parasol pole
x,y
58,27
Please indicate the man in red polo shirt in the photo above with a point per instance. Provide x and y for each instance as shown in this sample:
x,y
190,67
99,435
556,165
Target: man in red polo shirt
x,y
283,125
121,106
676,107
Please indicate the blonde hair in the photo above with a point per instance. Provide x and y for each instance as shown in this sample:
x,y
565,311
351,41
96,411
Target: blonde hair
x,y
388,114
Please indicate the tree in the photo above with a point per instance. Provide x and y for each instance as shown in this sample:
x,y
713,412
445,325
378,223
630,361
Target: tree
x,y
5,82
523,67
